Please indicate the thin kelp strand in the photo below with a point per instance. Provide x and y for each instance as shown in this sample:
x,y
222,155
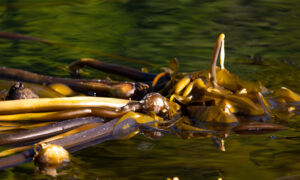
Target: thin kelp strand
x,y
34,125
47,116
214,59
8,152
24,126
128,72
222,54
45,131
108,113
158,77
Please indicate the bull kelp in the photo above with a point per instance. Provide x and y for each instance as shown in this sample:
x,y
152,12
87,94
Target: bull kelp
x,y
260,93
205,104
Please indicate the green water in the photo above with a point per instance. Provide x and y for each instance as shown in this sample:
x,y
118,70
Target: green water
x,y
149,34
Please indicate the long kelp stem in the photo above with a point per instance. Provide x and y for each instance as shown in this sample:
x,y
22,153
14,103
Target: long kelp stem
x,y
85,136
214,59
62,115
45,131
110,130
110,68
101,87
47,116
26,126
152,102
56,104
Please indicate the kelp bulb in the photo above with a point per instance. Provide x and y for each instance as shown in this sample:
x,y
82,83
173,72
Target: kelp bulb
x,y
50,157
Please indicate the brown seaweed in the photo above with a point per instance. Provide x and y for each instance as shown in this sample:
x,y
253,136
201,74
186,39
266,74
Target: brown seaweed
x,y
45,131
100,87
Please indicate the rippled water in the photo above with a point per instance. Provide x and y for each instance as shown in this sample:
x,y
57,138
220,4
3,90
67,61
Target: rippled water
x,y
262,43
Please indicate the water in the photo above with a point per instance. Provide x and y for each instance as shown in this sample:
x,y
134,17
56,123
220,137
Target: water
x,y
262,43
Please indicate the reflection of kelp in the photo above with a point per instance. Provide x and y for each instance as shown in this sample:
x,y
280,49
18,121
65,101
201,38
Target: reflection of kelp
x,y
210,103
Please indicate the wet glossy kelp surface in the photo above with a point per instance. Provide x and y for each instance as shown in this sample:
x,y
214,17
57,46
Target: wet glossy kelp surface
x,y
262,43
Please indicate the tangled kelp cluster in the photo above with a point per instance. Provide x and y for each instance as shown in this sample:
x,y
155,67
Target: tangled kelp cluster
x,y
210,103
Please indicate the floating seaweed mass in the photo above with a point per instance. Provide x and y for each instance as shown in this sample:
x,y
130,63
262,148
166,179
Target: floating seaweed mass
x,y
44,117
